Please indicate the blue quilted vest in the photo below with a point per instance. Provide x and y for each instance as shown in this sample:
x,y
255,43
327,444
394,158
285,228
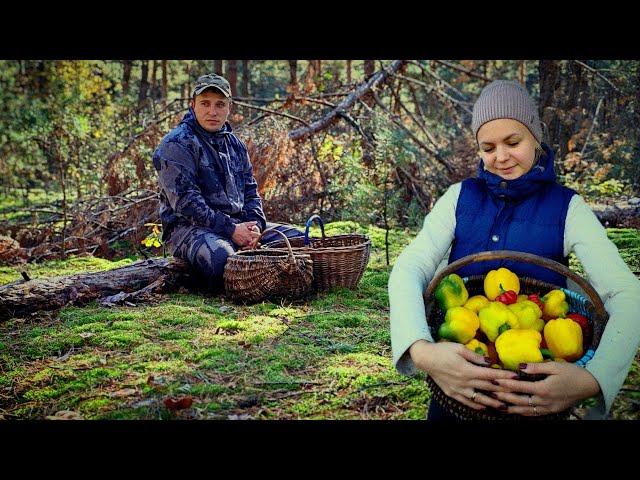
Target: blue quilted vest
x,y
526,214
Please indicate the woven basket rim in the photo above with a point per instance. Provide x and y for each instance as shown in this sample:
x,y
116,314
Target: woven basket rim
x,y
278,253
359,246
362,236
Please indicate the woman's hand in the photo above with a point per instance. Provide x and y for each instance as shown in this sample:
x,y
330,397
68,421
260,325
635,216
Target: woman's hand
x,y
456,370
565,385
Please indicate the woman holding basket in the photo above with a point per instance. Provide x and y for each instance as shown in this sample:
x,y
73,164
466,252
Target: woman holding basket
x,y
514,204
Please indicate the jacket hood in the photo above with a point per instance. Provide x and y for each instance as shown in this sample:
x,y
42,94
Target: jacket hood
x,y
540,175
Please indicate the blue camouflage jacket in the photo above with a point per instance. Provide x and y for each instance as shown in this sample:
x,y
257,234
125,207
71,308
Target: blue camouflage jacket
x,y
206,180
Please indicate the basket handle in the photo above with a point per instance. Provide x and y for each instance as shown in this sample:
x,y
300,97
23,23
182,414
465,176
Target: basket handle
x,y
286,240
519,256
309,222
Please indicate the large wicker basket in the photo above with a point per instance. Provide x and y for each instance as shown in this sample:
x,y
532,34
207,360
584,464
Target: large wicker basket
x,y
254,275
338,261
591,308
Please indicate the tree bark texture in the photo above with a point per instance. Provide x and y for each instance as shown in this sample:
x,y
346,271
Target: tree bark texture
x,y
144,83
164,82
293,76
245,78
232,76
126,75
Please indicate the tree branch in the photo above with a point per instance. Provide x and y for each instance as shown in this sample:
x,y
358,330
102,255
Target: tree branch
x,y
347,103
463,70
591,69
424,146
274,112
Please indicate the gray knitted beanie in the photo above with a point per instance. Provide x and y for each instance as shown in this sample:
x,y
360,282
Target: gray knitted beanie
x,y
506,99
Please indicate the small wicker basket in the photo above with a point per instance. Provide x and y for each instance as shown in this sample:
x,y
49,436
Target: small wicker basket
x,y
254,275
338,261
593,309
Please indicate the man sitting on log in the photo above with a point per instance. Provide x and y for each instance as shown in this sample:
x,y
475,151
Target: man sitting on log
x,y
209,201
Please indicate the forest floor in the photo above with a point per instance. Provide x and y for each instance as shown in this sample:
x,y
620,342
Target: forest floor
x,y
197,356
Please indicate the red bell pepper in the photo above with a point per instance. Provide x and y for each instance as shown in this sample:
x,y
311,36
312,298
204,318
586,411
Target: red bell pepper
x,y
536,299
507,297
584,325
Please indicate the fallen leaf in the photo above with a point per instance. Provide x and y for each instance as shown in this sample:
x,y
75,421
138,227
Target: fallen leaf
x,y
125,392
65,356
86,334
144,403
103,361
243,416
178,404
65,415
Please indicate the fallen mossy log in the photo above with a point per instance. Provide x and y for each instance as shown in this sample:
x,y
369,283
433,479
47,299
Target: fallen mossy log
x,y
23,297
617,214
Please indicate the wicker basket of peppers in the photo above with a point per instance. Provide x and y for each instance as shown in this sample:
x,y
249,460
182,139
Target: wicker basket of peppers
x,y
512,320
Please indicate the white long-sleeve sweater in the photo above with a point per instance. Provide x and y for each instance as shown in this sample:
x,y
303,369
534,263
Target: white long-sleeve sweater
x,y
604,269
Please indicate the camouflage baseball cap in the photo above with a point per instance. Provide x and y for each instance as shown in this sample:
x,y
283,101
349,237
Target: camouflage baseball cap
x,y
212,80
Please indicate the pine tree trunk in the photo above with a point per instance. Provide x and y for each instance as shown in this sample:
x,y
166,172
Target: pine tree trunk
x,y
232,76
368,147
245,78
154,80
126,76
293,76
144,83
164,83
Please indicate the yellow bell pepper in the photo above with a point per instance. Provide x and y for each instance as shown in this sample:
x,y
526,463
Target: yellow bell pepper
x,y
460,325
522,298
477,346
529,315
564,339
499,281
555,304
495,319
476,302
519,346
451,292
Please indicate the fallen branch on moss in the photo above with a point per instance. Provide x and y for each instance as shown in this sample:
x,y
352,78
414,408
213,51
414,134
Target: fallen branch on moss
x,y
155,275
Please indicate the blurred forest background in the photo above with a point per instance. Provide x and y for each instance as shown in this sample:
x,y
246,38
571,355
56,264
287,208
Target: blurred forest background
x,y
376,142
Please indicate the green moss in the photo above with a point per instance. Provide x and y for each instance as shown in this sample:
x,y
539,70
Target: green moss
x,y
166,366
339,320
94,406
149,351
214,406
218,359
126,325
208,389
118,339
42,394
175,335
231,325
70,266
